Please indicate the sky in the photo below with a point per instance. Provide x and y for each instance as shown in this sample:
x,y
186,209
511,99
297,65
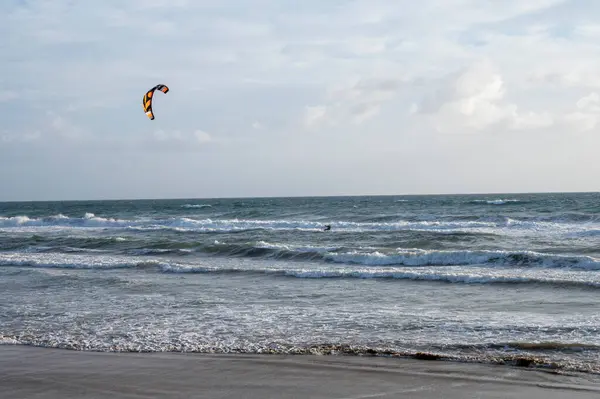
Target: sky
x,y
282,98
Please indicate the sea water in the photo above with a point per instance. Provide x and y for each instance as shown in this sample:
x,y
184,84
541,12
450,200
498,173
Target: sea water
x,y
507,278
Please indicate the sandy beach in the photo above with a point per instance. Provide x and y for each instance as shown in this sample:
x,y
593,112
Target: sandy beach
x,y
29,372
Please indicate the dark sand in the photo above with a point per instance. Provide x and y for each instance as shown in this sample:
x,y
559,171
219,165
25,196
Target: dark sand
x,y
28,372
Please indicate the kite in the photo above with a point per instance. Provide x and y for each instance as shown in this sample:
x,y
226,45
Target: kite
x,y
147,102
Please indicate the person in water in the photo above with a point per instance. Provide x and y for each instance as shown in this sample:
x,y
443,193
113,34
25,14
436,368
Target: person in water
x,y
327,227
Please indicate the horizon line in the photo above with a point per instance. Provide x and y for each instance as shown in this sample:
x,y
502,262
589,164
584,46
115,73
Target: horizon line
x,y
304,196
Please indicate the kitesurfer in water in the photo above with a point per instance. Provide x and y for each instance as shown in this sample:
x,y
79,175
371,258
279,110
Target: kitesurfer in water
x,y
327,227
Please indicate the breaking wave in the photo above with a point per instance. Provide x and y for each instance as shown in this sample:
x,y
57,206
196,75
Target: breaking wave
x,y
449,224
498,354
497,201
448,274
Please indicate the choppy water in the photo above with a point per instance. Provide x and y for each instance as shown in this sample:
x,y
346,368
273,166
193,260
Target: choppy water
x,y
480,277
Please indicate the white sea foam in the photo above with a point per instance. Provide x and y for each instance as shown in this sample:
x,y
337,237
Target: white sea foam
x,y
74,261
88,220
420,257
508,226
294,247
497,201
450,274
413,264
454,275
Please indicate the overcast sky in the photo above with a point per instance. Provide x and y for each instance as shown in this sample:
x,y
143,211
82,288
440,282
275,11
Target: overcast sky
x,y
311,97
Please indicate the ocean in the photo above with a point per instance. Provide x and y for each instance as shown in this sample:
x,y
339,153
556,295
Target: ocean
x,y
507,279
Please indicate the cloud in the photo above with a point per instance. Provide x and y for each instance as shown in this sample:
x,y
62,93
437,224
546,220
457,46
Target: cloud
x,y
587,113
393,80
578,76
184,138
315,115
61,127
202,137
53,130
475,99
353,103
590,103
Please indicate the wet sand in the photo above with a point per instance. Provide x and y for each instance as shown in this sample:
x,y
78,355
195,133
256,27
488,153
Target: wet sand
x,y
28,372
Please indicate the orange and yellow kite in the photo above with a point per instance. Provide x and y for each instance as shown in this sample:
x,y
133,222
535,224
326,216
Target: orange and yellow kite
x,y
147,102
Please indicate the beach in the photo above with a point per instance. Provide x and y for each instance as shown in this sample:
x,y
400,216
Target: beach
x,y
272,199
29,372
253,298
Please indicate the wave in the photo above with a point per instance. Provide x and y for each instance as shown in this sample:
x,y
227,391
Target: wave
x,y
364,256
545,346
76,261
370,256
420,257
196,206
88,220
208,225
457,277
588,233
452,274
493,355
497,201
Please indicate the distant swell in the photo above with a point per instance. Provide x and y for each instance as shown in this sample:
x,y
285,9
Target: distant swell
x,y
497,201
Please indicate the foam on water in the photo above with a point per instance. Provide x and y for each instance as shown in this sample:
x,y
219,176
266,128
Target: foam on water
x,y
199,206
74,261
494,278
497,201
419,257
450,274
88,220
503,226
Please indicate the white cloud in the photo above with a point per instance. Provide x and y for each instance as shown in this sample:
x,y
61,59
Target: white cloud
x,y
531,120
185,138
590,103
389,75
474,100
587,115
581,121
353,103
202,137
314,114
59,126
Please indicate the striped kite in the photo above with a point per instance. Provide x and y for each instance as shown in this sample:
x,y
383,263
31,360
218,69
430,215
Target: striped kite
x,y
147,102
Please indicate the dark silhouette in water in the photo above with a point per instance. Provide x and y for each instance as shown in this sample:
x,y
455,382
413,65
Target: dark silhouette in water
x,y
327,227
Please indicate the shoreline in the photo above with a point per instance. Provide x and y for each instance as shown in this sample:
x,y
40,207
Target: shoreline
x,y
28,371
530,361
